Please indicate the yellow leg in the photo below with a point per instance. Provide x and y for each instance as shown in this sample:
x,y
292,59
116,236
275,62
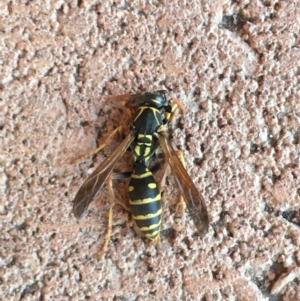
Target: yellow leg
x,y
108,234
162,180
174,114
112,201
170,116
97,150
178,103
110,216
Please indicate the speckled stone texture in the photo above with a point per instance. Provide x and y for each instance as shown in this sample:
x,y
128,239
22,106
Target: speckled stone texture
x,y
236,67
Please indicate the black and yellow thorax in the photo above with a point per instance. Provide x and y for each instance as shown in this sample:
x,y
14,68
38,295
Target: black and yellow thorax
x,y
146,122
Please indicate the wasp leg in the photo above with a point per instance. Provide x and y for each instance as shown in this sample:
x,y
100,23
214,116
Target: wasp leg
x,y
174,114
120,176
178,103
115,176
110,216
97,150
172,111
162,180
108,234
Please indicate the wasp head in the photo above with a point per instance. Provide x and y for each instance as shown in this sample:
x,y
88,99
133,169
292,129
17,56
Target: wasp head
x,y
157,99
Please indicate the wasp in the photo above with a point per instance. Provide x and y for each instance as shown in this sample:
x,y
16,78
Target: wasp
x,y
148,132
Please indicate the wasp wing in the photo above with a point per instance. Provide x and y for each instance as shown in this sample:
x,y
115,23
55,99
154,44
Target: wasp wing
x,y
193,199
94,182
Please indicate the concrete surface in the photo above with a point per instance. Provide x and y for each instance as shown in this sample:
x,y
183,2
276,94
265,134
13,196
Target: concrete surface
x,y
236,67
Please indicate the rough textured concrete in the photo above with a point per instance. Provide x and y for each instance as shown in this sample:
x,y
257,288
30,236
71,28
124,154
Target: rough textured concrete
x,y
234,64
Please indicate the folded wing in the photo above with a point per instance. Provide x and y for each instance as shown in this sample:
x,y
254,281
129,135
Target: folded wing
x,y
193,199
94,182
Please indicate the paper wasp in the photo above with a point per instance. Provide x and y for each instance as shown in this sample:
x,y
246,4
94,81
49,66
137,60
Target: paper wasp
x,y
147,133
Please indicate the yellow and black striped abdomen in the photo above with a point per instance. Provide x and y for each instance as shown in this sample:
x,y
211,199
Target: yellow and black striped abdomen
x,y
145,201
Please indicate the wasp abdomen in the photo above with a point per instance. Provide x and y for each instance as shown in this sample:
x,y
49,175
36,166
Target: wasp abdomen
x,y
145,201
